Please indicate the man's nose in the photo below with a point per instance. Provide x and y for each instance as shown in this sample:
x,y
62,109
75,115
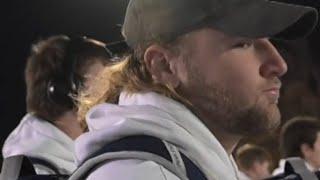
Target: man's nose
x,y
273,64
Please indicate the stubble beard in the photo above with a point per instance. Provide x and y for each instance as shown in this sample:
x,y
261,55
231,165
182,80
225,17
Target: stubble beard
x,y
219,108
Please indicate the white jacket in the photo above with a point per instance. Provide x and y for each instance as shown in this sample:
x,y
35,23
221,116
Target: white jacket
x,y
154,115
38,138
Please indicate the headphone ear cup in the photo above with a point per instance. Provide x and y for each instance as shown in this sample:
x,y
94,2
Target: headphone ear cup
x,y
65,86
50,90
58,92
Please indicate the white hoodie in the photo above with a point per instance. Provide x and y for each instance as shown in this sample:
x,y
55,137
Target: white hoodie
x,y
38,138
154,115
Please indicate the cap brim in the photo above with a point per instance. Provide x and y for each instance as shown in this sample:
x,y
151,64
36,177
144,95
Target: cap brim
x,y
269,19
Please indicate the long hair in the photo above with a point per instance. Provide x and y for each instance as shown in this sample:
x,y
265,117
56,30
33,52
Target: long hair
x,y
130,75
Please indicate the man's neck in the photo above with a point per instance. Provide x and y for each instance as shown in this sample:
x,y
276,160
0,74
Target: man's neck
x,y
69,125
227,140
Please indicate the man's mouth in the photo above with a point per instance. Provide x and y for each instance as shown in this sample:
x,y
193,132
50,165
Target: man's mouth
x,y
273,94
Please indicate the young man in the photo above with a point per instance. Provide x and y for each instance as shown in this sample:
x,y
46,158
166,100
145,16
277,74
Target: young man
x,y
56,70
300,137
202,75
254,162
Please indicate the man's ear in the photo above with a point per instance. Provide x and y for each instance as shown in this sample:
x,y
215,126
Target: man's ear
x,y
160,64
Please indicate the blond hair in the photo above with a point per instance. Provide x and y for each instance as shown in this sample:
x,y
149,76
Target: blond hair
x,y
130,75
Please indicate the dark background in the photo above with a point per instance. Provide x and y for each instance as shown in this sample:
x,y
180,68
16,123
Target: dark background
x,y
26,21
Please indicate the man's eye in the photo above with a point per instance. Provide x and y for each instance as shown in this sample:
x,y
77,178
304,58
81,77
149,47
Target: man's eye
x,y
243,45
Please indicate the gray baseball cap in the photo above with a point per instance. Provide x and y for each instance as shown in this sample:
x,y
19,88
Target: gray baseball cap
x,y
151,19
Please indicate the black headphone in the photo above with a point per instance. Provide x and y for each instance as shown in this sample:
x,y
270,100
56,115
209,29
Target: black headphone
x,y
64,86
117,49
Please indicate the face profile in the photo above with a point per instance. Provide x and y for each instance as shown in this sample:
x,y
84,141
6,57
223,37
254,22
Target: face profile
x,y
237,83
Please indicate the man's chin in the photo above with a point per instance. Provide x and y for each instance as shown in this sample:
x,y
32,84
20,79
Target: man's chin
x,y
258,122
274,119
268,125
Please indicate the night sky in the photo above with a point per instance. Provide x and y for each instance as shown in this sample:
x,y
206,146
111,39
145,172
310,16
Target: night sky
x,y
26,21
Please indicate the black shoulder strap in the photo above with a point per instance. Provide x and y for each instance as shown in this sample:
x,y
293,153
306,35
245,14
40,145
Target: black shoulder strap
x,y
136,143
27,167
45,177
45,163
193,172
21,167
149,144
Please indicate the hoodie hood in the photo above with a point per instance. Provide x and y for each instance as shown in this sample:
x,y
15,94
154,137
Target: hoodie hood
x,y
38,138
156,115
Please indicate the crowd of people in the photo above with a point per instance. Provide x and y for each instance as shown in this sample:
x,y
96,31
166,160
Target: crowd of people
x,y
299,137
190,80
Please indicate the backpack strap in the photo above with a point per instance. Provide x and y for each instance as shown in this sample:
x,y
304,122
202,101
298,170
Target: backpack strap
x,y
11,167
136,143
193,172
15,166
21,167
48,165
151,148
45,177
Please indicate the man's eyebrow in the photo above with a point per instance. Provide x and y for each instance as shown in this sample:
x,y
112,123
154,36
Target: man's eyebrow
x,y
231,38
242,39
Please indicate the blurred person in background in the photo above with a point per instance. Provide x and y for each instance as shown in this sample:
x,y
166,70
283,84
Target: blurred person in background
x,y
253,162
56,70
300,137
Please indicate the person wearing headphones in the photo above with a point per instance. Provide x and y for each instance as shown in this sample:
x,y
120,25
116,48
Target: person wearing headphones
x,y
57,69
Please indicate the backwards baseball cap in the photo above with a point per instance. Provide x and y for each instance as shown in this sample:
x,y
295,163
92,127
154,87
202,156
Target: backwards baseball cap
x,y
151,19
